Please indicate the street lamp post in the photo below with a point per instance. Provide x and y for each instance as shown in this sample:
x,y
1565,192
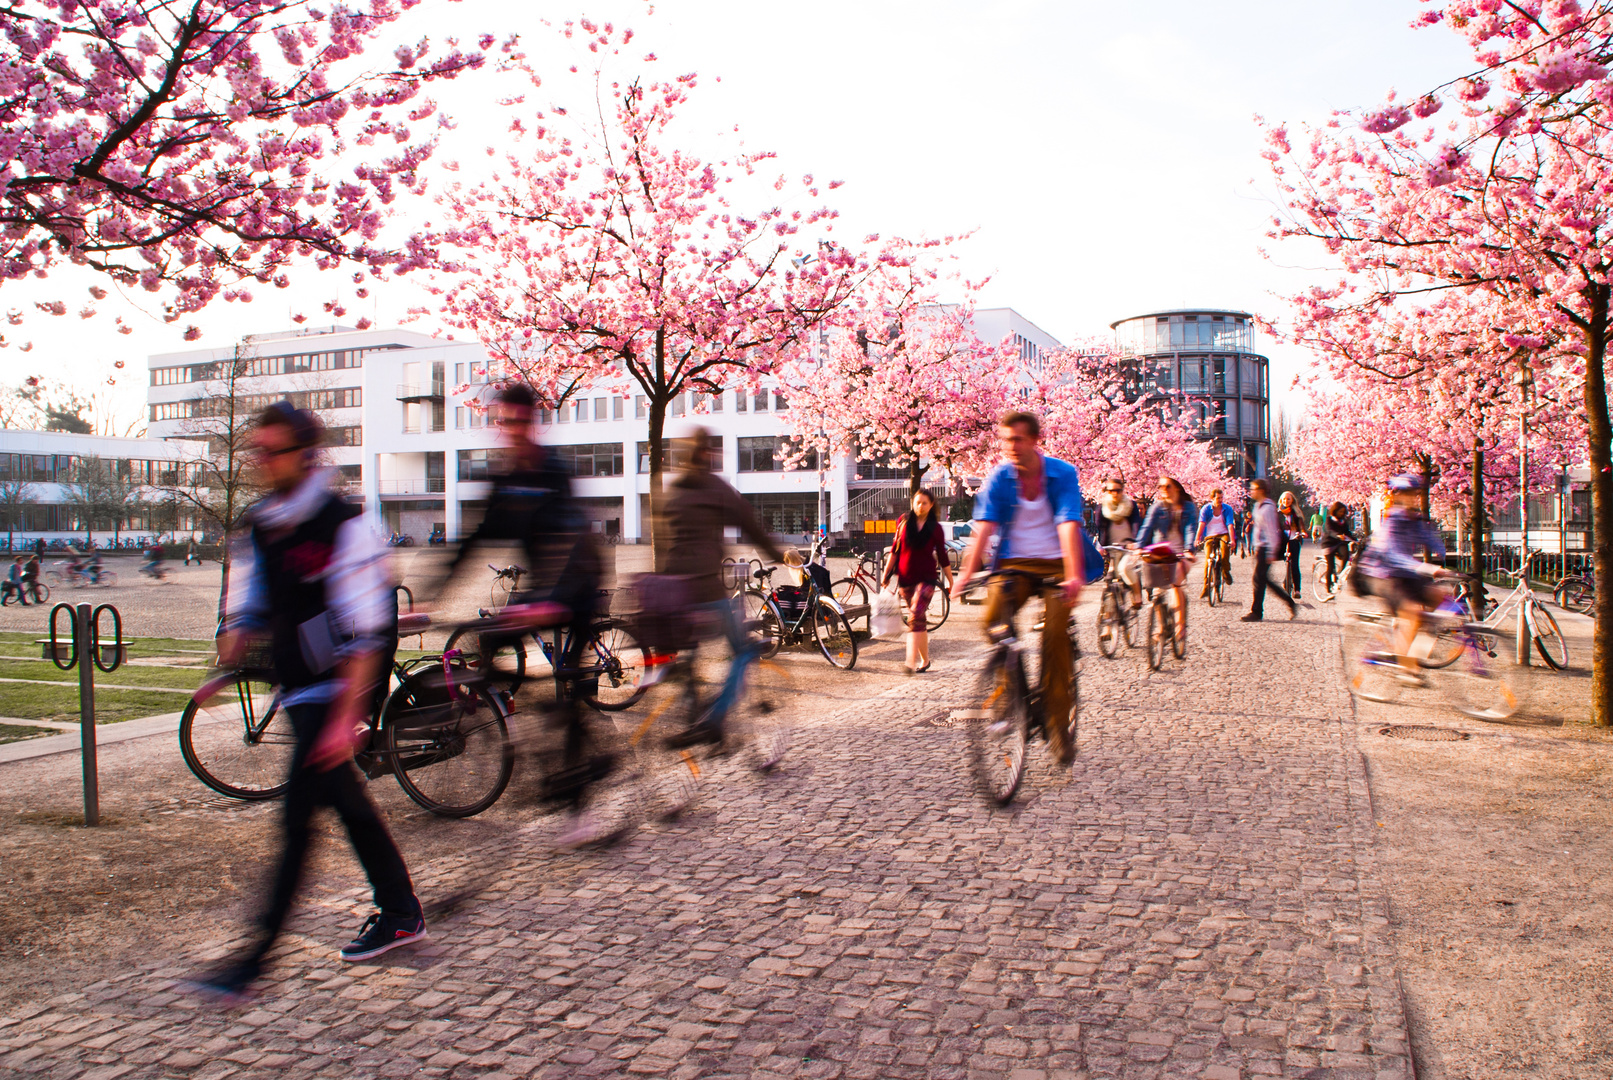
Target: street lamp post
x,y
1526,391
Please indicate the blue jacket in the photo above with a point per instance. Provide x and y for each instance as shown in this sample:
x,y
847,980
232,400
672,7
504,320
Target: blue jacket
x,y
999,498
1156,525
1228,515
1393,550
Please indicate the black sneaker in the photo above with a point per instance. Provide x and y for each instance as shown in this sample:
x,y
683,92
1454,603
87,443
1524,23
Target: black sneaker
x,y
703,733
384,931
1251,617
228,986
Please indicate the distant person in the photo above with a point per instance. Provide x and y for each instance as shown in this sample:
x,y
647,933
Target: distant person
x,y
1267,543
191,554
14,582
30,578
1294,532
918,560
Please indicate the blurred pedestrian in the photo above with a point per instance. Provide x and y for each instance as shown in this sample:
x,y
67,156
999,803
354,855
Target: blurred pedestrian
x,y
191,554
315,582
13,582
1267,544
918,559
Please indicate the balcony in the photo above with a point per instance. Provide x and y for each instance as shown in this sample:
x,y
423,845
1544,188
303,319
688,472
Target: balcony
x,y
410,392
427,485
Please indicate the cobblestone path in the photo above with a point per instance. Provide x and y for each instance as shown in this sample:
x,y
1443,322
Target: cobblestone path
x,y
1194,899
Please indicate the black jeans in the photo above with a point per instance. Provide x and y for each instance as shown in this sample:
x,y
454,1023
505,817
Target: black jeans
x,y
1262,583
1294,544
339,789
1335,557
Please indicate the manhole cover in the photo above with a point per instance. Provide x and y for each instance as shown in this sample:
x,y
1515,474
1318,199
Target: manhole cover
x,y
947,718
1426,734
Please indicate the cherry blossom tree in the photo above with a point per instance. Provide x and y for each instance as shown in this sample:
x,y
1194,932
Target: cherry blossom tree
x,y
604,252
1522,215
174,145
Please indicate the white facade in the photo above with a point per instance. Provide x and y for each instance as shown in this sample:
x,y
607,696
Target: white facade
x,y
416,451
44,462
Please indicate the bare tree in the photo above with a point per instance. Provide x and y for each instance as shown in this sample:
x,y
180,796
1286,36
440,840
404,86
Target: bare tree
x,y
14,494
101,494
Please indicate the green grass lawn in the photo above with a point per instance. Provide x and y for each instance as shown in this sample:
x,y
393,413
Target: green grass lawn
x,y
30,701
19,643
174,678
14,733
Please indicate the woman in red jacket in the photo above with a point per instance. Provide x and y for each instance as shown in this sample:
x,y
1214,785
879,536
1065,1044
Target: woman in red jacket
x,y
918,558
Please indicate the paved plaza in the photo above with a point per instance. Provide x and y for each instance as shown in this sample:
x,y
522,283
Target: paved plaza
x,y
1196,897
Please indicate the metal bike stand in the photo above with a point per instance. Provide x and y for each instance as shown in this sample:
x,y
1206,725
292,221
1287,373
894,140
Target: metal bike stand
x,y
84,622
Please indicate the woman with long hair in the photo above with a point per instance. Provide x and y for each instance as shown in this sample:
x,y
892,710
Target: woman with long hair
x,y
1294,528
917,560
1172,520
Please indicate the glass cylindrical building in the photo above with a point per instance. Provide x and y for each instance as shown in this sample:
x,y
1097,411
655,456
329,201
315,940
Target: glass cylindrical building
x,y
1205,360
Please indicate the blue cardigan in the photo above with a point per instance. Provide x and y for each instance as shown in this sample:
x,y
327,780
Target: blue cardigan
x,y
1156,524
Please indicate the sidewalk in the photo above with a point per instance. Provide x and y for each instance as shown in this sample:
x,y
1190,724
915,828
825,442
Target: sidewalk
x,y
1197,897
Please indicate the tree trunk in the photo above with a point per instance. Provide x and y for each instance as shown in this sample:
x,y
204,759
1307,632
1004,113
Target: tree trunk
x,y
915,477
658,555
1475,534
1601,431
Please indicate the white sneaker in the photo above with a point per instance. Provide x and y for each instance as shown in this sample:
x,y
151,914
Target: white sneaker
x,y
585,829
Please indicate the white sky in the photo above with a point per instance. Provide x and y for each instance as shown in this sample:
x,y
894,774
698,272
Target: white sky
x,y
1104,154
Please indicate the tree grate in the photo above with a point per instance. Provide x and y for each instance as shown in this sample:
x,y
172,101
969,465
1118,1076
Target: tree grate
x,y
1425,734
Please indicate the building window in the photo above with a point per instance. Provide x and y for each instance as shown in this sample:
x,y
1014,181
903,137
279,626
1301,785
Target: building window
x,y
714,402
676,408
475,465
641,406
779,404
601,408
786,512
345,436
579,411
545,416
616,405
766,453
590,459
459,417
563,413
760,401
741,400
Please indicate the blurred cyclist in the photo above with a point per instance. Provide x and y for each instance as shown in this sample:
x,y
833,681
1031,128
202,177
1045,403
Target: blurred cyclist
x,y
1035,501
699,506
1399,577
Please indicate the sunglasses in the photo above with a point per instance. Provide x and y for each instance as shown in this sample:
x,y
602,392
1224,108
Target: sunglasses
x,y
1111,491
264,452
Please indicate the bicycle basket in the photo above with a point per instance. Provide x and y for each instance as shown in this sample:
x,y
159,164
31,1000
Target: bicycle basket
x,y
662,619
425,700
1157,575
792,599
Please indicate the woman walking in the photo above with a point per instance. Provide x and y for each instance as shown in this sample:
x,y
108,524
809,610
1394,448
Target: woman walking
x,y
918,558
1294,528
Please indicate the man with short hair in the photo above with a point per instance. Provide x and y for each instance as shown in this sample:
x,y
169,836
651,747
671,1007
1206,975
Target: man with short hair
x,y
1035,502
314,580
1217,523
1266,538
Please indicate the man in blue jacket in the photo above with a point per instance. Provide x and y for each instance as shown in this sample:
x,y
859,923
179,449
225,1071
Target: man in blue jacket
x,y
1035,502
1217,526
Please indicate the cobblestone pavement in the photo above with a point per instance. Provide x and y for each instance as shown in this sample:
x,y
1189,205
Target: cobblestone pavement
x,y
1195,897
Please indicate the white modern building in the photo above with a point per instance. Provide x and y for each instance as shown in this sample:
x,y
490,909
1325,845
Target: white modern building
x,y
417,453
42,496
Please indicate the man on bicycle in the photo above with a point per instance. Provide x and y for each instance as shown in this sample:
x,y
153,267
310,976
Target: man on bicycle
x,y
313,578
531,504
699,507
1217,525
1399,577
1035,501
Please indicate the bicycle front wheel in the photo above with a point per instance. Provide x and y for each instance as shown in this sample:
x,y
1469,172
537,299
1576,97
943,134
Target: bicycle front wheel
x,y
834,637
1477,685
850,593
1109,624
763,619
1376,675
1155,639
997,739
1178,629
1549,640
501,659
620,662
238,741
942,600
1319,587
459,761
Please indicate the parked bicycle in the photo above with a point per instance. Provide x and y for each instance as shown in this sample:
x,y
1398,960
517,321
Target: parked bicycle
x,y
853,593
1577,592
1116,618
1013,714
506,580
439,731
788,614
1534,619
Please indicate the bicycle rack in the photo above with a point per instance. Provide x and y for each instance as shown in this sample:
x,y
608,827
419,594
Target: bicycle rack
x,y
85,626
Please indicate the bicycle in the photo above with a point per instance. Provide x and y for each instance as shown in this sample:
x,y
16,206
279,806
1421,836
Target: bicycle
x,y
1012,708
1116,618
610,668
1533,617
506,580
852,595
37,592
441,735
1320,589
1217,567
1576,592
1158,575
786,613
1476,688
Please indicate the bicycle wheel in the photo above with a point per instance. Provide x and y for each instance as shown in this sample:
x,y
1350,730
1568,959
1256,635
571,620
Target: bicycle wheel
x,y
759,723
1319,587
1576,594
107,579
763,619
238,741
1375,675
668,779
1477,685
851,593
1212,585
1109,624
1442,653
1549,641
502,658
458,763
997,740
834,636
933,621
1178,633
1155,639
54,577
620,662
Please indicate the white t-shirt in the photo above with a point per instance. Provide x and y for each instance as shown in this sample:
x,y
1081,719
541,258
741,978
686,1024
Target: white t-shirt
x,y
1035,537
1217,525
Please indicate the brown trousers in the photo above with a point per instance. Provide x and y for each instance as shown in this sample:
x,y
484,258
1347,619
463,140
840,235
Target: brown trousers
x,y
1006,597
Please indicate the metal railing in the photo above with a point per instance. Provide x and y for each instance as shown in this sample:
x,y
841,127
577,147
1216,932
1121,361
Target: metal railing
x,y
429,485
415,392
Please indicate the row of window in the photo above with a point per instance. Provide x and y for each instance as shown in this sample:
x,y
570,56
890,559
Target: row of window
x,y
764,453
584,410
60,517
253,366
1230,332
345,397
58,468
